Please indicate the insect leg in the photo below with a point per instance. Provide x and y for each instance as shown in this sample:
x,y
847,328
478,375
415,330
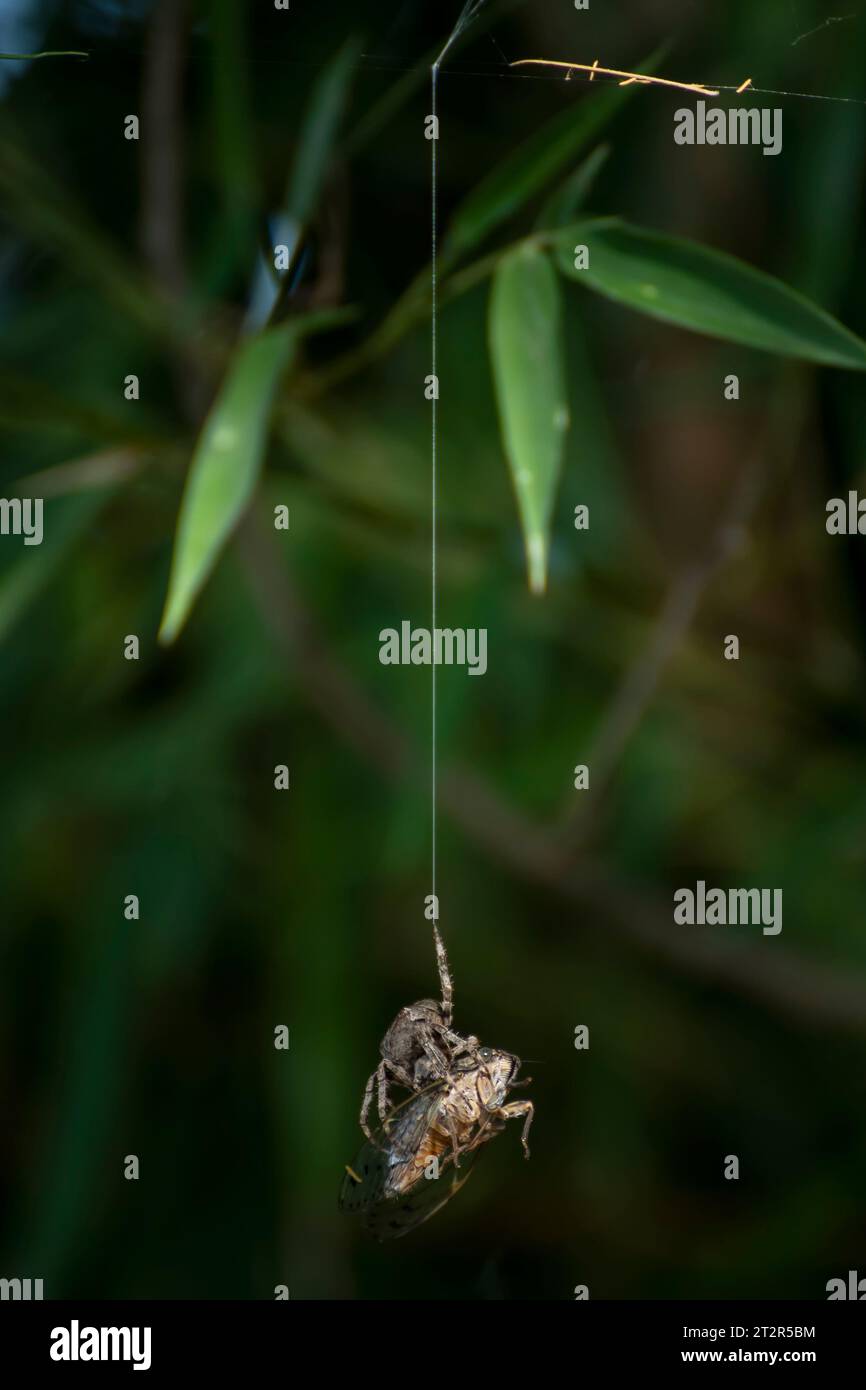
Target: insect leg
x,y
400,1074
455,1142
444,977
514,1109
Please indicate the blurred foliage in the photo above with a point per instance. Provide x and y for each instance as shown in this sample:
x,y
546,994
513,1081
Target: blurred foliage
x,y
156,777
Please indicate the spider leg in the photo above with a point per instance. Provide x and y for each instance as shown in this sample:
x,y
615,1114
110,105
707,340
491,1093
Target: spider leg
x,y
400,1074
444,977
425,1038
381,1073
367,1102
459,1045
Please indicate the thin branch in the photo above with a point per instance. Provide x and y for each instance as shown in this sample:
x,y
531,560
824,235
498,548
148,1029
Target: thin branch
x,y
327,684
629,77
639,684
779,979
101,469
46,53
681,603
412,308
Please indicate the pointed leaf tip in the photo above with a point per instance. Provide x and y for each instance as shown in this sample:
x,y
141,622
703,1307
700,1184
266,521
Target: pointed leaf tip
x,y
525,333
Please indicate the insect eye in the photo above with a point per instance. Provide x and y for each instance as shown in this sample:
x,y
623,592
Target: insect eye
x,y
485,1053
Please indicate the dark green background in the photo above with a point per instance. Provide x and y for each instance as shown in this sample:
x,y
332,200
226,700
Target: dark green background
x,y
305,908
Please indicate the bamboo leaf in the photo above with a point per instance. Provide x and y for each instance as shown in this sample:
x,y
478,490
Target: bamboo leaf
x,y
319,132
227,462
707,291
567,200
525,329
271,289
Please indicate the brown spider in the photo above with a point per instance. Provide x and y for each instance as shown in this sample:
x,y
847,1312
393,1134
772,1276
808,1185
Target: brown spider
x,y
420,1047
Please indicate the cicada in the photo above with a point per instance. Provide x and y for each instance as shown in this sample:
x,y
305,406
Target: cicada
x,y
423,1153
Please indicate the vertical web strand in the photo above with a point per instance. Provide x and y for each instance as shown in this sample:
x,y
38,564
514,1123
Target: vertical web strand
x,y
433,464
434,84
469,12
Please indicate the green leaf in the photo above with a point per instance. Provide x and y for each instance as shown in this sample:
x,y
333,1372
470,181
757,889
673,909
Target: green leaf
x,y
319,132
707,291
525,330
525,172
227,461
569,198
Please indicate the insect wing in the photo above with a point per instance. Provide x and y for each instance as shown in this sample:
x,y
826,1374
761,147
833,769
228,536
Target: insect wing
x,y
364,1182
388,1186
381,1165
397,1216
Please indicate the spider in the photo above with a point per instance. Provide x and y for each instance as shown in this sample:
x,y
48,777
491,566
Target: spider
x,y
420,1046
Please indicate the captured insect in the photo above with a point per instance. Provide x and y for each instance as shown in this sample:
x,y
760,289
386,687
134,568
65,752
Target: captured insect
x,y
423,1150
423,1153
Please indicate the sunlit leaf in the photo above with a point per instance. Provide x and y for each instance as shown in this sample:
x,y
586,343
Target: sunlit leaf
x,y
227,462
526,352
707,291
